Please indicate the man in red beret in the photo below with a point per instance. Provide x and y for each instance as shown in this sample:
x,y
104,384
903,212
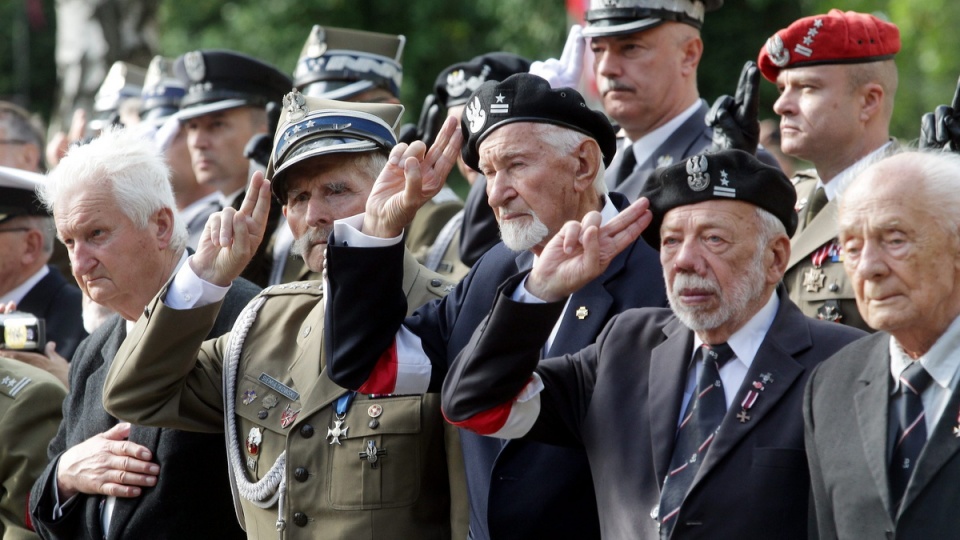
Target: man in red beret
x,y
837,79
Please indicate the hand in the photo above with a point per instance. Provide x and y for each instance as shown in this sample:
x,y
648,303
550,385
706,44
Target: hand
x,y
49,361
581,251
567,70
230,237
411,177
941,128
735,120
106,464
60,142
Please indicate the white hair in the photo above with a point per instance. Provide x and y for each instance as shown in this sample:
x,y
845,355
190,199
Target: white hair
x,y
131,166
565,141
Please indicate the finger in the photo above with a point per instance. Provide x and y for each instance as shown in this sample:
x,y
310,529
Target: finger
x,y
212,228
748,92
928,131
241,234
446,148
118,432
226,226
573,48
956,97
253,194
591,247
941,116
261,211
626,217
416,149
571,236
396,153
78,124
413,182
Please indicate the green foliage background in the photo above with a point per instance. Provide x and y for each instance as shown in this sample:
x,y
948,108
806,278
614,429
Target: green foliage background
x,y
441,32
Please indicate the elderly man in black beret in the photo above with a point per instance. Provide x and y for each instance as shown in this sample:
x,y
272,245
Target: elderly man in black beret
x,y
690,417
543,152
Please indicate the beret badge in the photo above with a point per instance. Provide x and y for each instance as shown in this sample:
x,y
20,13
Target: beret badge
x,y
476,117
697,177
779,54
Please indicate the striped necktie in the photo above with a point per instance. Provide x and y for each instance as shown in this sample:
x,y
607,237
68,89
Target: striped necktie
x,y
705,410
911,428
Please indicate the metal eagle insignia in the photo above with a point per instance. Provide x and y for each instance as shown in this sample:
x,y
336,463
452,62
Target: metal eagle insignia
x,y
476,116
193,64
295,105
779,54
698,178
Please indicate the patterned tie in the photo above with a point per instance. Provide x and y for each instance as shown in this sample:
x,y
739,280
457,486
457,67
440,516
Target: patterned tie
x,y
704,412
816,204
627,164
911,429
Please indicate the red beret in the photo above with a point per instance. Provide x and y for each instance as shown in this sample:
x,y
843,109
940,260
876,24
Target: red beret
x,y
839,37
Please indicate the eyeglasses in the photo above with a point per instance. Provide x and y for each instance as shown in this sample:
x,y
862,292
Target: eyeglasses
x,y
12,141
15,229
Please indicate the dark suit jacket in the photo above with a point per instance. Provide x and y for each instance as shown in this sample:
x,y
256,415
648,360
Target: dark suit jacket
x,y
60,304
846,414
192,497
620,399
517,489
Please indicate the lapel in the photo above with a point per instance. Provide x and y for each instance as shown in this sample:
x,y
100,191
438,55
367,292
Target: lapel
x,y
871,401
788,336
668,376
40,296
680,144
940,448
309,378
822,229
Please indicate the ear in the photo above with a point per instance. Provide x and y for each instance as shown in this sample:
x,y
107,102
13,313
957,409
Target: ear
x,y
588,157
164,220
284,210
871,101
779,247
33,247
29,157
692,52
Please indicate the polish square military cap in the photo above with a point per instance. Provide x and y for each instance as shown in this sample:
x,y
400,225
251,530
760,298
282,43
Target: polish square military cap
x,y
732,175
620,17
18,194
455,84
162,91
839,37
311,127
218,80
124,81
337,63
528,98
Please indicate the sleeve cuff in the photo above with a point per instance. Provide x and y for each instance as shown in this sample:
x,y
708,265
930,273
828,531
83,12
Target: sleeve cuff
x,y
188,291
347,233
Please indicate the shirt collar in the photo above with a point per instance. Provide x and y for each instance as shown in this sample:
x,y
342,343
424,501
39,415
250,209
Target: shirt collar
x,y
746,341
20,291
645,146
183,259
193,209
835,187
942,361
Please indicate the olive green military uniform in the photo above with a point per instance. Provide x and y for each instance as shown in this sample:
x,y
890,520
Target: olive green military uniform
x,y
443,257
30,413
430,219
377,469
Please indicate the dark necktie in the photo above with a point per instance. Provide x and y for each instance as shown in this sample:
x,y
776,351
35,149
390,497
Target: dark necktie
x,y
627,164
702,417
911,429
816,204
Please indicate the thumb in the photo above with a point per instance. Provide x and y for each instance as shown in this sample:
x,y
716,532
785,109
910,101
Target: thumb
x,y
118,432
51,348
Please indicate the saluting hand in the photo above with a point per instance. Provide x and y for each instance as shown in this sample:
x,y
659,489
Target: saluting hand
x,y
565,71
735,120
230,237
582,250
106,464
941,128
412,176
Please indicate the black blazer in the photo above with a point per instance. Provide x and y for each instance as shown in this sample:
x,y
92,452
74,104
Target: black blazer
x,y
846,415
61,305
518,489
620,399
192,498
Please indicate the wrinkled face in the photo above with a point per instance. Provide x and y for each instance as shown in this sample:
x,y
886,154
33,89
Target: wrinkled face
x,y
216,143
320,191
530,186
819,111
13,250
638,76
110,257
902,261
714,271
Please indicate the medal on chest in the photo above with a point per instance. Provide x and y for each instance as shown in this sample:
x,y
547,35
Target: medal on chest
x,y
339,430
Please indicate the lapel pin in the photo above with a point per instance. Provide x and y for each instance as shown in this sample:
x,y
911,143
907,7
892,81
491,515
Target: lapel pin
x,y
582,312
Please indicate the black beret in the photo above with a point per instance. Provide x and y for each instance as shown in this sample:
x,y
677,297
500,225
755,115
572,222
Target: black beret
x,y
455,84
528,98
726,175
220,80
18,194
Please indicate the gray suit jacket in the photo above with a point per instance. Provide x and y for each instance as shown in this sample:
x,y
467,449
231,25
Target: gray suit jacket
x,y
192,497
845,408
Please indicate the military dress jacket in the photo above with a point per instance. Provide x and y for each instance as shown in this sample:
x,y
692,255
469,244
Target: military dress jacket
x,y
846,412
373,467
60,304
518,489
30,401
192,496
620,399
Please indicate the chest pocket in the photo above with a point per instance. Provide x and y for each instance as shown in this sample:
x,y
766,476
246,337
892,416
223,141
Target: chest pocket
x,y
265,416
379,463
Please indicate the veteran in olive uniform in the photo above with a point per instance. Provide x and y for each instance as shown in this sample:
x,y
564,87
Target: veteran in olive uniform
x,y
30,400
307,457
841,127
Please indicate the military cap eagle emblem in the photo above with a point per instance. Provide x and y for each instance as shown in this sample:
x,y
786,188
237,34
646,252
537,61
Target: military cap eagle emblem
x,y
295,105
476,116
779,54
698,178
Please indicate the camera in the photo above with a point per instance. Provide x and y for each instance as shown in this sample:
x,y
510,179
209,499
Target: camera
x,y
22,332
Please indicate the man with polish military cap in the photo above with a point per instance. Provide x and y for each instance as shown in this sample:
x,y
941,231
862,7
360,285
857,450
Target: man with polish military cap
x,y
224,109
712,446
543,152
837,80
307,457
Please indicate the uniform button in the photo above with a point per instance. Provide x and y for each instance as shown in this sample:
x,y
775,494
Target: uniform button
x,y
306,431
301,474
300,519
262,414
146,312
374,424
435,282
834,287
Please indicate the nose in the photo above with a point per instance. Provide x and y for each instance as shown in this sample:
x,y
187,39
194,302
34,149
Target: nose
x,y
499,190
606,64
687,257
82,260
319,212
784,105
197,137
870,264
